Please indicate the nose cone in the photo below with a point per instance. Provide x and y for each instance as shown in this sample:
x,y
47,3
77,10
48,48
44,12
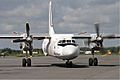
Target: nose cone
x,y
71,51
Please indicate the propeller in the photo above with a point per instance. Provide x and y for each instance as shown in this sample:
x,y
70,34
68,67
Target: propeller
x,y
87,42
27,40
98,40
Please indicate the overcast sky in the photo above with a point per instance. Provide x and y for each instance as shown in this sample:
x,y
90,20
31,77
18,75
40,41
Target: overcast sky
x,y
70,16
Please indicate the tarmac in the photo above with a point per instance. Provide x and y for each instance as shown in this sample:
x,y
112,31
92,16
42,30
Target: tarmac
x,y
46,67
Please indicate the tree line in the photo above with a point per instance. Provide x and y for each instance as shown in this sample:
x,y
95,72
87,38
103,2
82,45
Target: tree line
x,y
39,52
104,50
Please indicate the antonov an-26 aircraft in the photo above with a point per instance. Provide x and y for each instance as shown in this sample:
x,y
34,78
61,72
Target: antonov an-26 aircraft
x,y
62,46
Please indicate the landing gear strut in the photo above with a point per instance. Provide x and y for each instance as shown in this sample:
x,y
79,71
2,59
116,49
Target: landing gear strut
x,y
69,63
93,61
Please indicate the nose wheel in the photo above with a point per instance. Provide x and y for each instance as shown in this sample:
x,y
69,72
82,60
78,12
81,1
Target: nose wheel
x,y
69,63
93,61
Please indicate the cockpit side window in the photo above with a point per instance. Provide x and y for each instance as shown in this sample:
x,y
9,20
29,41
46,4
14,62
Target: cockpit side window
x,y
73,41
66,42
60,41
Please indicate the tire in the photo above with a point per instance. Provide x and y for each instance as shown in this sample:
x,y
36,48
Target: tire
x,y
95,62
24,62
67,63
28,62
70,63
90,62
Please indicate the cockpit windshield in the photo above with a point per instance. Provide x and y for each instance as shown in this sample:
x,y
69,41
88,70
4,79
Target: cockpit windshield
x,y
66,42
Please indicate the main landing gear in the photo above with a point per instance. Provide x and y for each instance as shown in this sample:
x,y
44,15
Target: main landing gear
x,y
26,61
93,61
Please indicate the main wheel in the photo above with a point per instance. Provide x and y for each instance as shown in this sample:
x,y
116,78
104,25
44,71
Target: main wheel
x,y
28,62
91,62
95,61
24,62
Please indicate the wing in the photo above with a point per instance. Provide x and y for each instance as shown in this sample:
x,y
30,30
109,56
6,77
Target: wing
x,y
113,36
21,36
40,36
89,36
10,36
82,36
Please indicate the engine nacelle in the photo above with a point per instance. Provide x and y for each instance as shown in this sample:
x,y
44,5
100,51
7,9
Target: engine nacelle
x,y
97,41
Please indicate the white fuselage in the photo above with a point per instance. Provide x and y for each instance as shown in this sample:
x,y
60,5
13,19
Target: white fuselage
x,y
61,46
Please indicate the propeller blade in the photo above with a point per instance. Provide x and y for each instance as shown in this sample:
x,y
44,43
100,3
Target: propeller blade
x,y
87,42
30,49
27,29
30,52
19,40
97,29
101,44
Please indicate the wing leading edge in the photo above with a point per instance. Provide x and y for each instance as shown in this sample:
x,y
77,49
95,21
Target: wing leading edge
x,y
89,36
82,36
10,36
34,36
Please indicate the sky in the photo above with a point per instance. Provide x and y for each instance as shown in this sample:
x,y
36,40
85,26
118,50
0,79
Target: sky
x,y
69,16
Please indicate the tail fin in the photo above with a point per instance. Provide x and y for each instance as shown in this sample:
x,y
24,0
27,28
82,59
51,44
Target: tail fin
x,y
51,29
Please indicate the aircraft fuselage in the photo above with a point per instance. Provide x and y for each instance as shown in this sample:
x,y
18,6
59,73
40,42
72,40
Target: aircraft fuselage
x,y
61,47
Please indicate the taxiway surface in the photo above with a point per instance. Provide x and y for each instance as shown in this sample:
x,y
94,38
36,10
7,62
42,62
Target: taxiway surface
x,y
52,68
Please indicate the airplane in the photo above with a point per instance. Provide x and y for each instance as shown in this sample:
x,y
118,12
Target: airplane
x,y
61,46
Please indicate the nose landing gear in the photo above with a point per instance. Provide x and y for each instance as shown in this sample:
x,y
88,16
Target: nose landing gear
x,y
69,63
